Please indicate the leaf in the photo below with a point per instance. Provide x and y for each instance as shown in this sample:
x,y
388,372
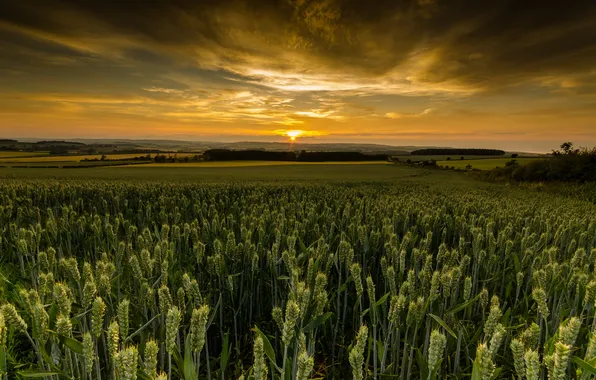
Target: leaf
x,y
266,345
141,329
343,287
225,354
421,364
179,361
301,245
584,365
48,359
217,305
288,370
2,360
443,324
476,371
35,374
317,322
463,305
52,314
72,344
516,264
382,300
190,371
142,375
507,315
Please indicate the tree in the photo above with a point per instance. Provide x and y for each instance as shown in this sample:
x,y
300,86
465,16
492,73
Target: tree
x,y
566,149
514,155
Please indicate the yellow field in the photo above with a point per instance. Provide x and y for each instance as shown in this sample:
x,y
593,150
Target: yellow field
x,y
10,154
227,164
485,164
76,158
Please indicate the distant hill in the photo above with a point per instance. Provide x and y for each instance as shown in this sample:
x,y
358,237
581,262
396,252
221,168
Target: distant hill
x,y
183,145
105,146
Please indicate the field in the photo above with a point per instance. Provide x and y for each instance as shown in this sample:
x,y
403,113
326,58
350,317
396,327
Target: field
x,y
225,164
21,155
292,272
25,157
188,172
444,157
485,164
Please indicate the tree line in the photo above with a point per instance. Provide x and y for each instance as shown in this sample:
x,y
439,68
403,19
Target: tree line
x,y
458,152
303,156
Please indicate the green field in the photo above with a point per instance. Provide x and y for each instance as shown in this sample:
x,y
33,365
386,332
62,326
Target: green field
x,y
444,157
224,164
25,157
21,155
318,271
485,164
185,172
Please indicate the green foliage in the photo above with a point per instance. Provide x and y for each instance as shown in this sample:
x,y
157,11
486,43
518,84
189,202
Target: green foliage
x,y
124,279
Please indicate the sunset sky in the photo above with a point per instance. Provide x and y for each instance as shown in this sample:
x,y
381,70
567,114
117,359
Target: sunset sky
x,y
517,74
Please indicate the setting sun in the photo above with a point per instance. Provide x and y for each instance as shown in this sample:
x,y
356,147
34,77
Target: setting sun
x,y
293,134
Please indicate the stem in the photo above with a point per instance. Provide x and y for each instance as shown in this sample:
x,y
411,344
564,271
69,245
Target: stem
x,y
283,363
412,352
457,352
375,351
404,358
338,316
207,359
39,358
397,349
385,347
97,367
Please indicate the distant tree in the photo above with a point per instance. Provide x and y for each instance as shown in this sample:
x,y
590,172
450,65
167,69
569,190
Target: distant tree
x,y
103,157
468,167
514,155
511,163
461,158
567,147
455,151
448,158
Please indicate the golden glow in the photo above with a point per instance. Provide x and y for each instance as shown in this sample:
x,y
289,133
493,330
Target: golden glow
x,y
294,133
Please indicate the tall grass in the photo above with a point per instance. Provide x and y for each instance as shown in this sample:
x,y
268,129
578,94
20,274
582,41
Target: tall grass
x,y
151,280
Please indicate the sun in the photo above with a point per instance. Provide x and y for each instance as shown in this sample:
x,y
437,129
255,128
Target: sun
x,y
293,134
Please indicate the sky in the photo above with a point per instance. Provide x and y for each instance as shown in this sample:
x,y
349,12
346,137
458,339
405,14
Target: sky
x,y
509,74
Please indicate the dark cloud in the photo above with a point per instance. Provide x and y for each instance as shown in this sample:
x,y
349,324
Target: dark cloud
x,y
474,44
340,67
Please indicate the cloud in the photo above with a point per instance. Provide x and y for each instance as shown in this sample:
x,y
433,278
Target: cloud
x,y
419,47
324,65
398,115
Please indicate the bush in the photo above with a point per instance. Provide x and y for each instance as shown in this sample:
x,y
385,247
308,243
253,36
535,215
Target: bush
x,y
569,165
